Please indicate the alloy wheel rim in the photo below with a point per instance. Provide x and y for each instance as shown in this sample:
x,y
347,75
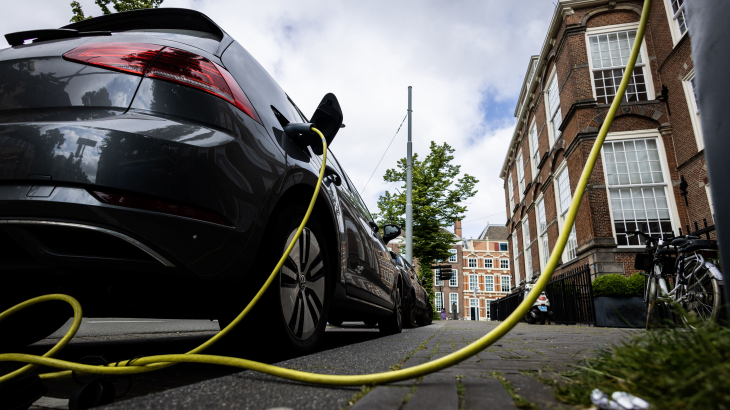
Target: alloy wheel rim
x,y
301,290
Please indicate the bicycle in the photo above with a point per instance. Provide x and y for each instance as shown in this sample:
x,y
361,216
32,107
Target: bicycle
x,y
696,283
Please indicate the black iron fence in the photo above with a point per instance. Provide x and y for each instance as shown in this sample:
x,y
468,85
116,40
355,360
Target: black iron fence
x,y
501,308
571,297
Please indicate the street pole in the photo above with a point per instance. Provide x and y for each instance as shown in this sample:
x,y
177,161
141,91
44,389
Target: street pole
x,y
409,192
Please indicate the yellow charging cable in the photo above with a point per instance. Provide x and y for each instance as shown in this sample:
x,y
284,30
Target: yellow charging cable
x,y
151,363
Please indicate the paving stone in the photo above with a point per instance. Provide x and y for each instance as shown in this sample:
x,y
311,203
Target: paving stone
x,y
436,391
535,392
382,398
483,393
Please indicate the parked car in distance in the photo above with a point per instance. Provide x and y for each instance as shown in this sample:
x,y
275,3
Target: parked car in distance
x,y
417,310
146,170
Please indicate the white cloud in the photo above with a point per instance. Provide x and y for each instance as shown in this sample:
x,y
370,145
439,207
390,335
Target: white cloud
x,y
456,55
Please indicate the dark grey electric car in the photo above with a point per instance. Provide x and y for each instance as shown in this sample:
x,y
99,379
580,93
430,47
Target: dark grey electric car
x,y
148,168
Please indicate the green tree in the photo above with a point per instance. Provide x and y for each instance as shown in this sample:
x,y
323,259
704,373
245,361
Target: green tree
x,y
438,201
119,6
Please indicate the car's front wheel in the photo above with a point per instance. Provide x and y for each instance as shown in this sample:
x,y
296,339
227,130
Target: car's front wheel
x,y
393,323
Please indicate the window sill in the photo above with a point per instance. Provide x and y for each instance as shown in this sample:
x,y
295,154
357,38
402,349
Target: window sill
x,y
624,104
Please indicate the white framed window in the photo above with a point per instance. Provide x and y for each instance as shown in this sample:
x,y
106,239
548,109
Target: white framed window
x,y
534,149
504,263
488,263
542,245
489,313
454,282
563,198
511,188
489,283
690,93
473,284
520,174
453,298
471,262
503,247
436,278
438,301
504,283
677,18
515,251
554,114
637,189
526,244
452,258
609,53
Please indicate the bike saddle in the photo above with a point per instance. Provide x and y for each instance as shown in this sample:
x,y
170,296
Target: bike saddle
x,y
678,241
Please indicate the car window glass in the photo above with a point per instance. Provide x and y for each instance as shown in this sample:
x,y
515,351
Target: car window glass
x,y
359,203
332,161
304,117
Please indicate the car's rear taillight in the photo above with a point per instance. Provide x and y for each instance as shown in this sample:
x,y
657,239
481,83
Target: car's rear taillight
x,y
127,57
542,298
155,205
165,63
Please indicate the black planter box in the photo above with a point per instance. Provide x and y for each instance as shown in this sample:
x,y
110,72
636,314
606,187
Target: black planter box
x,y
620,311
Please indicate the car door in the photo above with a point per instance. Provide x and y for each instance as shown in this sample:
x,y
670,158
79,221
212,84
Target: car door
x,y
382,268
361,270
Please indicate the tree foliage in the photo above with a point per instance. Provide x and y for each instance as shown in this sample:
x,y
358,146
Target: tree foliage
x,y
438,201
118,5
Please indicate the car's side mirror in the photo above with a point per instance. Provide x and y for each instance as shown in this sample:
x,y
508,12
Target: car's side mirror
x,y
390,232
327,119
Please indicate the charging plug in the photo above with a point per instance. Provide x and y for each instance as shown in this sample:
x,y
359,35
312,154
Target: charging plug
x,y
301,134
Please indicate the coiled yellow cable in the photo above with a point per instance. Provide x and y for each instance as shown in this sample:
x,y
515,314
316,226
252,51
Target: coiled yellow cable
x,y
151,363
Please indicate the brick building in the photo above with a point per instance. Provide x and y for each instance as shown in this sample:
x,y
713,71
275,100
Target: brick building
x,y
651,174
446,293
486,269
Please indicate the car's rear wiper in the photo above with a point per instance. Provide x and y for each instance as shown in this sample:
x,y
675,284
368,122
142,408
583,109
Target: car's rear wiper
x,y
16,39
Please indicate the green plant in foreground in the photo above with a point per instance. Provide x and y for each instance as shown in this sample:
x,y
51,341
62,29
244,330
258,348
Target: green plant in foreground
x,y
671,369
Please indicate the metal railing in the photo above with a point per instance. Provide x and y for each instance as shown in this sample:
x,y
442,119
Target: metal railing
x,y
571,297
501,308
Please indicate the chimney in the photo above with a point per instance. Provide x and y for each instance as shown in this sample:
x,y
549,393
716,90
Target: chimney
x,y
457,228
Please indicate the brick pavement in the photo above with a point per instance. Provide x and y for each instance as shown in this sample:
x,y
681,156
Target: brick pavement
x,y
504,376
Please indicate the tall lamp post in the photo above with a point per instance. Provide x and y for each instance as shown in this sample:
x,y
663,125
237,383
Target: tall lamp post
x,y
409,193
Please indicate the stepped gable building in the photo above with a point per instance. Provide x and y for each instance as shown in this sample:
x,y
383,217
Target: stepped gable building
x,y
651,174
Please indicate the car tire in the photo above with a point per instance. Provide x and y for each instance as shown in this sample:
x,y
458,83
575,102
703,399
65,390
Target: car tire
x,y
293,313
425,318
393,323
410,313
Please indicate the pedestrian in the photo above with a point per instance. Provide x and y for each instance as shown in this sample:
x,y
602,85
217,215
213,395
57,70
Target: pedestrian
x,y
443,314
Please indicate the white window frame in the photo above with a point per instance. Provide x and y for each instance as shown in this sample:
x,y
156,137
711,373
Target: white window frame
x,y
693,108
516,251
549,115
511,189
526,242
501,265
452,258
673,25
488,316
520,174
473,282
436,281
570,251
650,94
491,263
534,144
543,248
453,297
643,134
501,282
469,262
487,283
438,298
454,281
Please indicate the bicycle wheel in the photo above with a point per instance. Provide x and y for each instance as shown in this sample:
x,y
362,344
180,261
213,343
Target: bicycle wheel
x,y
657,311
701,295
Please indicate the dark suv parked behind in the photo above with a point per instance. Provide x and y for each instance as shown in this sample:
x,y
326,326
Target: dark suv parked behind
x,y
145,170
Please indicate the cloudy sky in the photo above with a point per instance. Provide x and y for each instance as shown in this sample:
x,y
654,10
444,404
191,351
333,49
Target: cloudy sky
x,y
465,60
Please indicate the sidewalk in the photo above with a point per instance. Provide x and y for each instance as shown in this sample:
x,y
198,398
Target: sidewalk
x,y
503,376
